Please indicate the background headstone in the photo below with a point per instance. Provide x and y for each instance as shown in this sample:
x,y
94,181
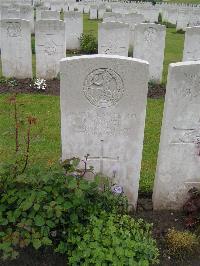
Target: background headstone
x,y
50,47
16,54
50,14
192,44
113,38
149,45
73,28
93,12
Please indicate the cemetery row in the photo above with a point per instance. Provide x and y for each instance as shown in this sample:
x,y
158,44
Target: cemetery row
x,y
180,15
53,37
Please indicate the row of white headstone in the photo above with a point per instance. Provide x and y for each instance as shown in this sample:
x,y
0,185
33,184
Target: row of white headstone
x,y
52,38
182,16
103,111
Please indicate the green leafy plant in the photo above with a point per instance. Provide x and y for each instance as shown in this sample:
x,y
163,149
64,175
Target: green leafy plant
x,y
38,208
111,239
88,44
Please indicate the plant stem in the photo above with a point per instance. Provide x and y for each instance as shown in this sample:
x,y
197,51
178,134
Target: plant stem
x,y
27,148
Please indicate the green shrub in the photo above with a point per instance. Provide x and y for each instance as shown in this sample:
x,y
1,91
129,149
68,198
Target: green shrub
x,y
112,240
88,44
38,207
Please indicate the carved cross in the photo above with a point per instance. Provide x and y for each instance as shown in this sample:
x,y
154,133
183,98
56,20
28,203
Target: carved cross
x,y
102,157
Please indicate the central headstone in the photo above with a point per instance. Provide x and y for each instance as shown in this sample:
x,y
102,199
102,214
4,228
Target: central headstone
x,y
103,111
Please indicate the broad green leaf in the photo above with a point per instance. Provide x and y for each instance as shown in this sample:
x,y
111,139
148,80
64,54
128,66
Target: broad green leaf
x,y
39,220
36,243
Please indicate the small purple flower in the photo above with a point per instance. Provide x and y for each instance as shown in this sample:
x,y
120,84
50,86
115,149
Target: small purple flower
x,y
117,189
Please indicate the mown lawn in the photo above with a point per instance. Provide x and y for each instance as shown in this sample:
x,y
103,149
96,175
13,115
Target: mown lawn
x,y
45,145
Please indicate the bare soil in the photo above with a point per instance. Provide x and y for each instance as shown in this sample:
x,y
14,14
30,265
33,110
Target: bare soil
x,y
53,88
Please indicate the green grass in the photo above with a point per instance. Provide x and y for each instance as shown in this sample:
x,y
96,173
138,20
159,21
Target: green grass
x,y
173,49
45,143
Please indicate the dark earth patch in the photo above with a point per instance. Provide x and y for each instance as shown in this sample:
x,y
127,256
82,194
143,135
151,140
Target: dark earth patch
x,y
53,88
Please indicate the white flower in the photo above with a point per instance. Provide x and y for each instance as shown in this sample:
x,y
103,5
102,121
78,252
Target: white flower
x,y
117,189
40,84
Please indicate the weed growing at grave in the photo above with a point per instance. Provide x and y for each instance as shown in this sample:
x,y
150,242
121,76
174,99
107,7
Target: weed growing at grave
x,y
182,244
88,44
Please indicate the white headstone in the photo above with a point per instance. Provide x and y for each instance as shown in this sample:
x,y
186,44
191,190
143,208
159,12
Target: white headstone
x,y
182,20
113,38
93,12
73,28
192,44
38,12
8,13
16,54
27,13
178,165
50,14
101,11
112,17
103,114
50,47
132,20
149,45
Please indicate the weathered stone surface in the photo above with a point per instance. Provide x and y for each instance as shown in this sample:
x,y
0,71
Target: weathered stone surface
x,y
149,45
103,114
178,165
16,54
192,44
93,12
50,47
50,14
73,29
113,38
